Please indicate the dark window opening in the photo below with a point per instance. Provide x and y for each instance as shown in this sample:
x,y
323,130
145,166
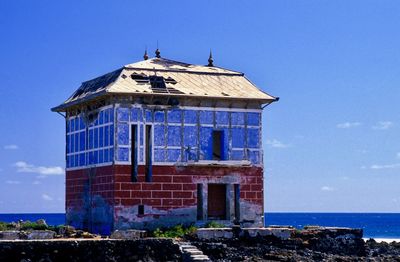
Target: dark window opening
x,y
199,201
217,146
134,150
148,151
157,82
141,210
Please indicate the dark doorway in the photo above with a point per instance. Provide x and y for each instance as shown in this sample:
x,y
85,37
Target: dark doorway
x,y
216,201
217,137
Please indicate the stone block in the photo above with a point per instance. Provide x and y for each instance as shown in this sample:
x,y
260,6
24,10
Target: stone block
x,y
128,234
9,235
41,234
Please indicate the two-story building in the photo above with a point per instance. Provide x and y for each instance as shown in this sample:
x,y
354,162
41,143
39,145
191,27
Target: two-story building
x,y
160,142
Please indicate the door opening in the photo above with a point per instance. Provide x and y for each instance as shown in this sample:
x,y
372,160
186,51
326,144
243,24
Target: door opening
x,y
216,201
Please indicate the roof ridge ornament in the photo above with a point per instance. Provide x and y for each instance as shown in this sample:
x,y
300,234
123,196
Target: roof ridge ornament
x,y
145,56
158,53
210,60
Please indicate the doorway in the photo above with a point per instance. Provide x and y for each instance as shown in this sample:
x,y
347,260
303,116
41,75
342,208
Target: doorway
x,y
216,202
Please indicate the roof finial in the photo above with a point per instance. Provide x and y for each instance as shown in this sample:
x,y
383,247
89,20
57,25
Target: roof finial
x,y
210,60
158,53
145,56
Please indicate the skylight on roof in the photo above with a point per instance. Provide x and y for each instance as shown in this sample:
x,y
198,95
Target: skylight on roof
x,y
157,81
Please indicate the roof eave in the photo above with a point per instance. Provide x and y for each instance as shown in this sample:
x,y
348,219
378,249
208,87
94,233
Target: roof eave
x,y
64,107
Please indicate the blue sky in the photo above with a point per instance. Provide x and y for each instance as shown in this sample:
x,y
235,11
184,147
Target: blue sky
x,y
331,143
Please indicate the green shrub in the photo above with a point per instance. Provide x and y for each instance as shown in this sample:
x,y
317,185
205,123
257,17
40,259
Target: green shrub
x,y
213,224
5,226
174,232
32,225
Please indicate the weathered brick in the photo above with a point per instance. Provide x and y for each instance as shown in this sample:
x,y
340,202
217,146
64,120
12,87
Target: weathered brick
x,y
162,178
189,186
122,178
251,195
151,186
141,194
161,194
123,194
245,187
131,186
130,201
151,202
182,194
189,202
256,187
172,186
172,202
182,179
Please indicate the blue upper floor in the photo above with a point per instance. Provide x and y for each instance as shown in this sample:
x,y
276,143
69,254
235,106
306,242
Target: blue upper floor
x,y
124,134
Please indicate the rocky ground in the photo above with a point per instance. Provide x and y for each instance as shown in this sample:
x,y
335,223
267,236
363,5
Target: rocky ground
x,y
239,250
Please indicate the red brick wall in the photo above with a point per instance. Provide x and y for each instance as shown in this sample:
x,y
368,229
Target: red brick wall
x,y
77,182
174,187
171,187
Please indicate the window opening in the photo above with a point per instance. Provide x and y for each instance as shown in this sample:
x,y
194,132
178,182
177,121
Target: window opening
x,y
148,152
134,150
199,201
217,146
140,209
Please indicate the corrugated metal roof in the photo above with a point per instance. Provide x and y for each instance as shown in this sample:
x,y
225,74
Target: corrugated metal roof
x,y
178,79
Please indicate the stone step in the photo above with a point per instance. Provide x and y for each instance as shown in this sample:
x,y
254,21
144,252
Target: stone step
x,y
193,252
200,258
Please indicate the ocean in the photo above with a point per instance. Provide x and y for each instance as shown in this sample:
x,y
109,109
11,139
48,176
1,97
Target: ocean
x,y
375,225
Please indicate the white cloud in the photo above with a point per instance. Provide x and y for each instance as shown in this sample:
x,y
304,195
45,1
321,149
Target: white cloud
x,y
277,144
348,125
398,155
10,147
24,167
13,182
390,166
36,182
383,125
47,197
327,188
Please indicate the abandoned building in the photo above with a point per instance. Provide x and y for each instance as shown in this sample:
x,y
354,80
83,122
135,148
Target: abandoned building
x,y
161,142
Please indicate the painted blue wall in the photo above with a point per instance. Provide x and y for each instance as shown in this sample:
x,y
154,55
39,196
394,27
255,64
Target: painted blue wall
x,y
178,135
90,144
186,134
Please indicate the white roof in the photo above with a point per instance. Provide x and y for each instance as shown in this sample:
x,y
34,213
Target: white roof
x,y
180,79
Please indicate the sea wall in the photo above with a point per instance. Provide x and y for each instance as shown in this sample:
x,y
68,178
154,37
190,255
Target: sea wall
x,y
149,249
